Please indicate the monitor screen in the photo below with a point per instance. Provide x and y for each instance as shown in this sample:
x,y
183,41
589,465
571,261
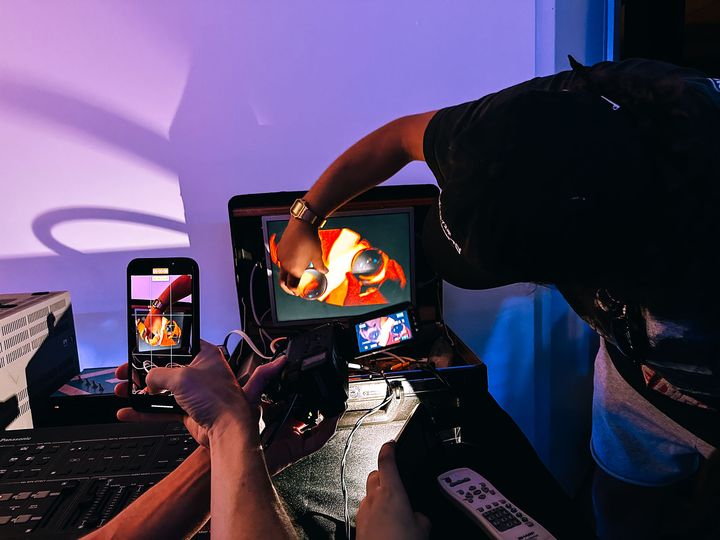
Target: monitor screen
x,y
383,331
369,257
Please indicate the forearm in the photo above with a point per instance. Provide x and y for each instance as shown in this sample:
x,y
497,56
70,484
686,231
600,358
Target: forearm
x,y
244,503
177,507
176,291
369,162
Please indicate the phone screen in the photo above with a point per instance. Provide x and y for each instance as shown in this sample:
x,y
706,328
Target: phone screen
x,y
383,331
161,315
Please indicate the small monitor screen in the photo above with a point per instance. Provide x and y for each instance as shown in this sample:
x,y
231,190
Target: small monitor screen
x,y
369,257
383,331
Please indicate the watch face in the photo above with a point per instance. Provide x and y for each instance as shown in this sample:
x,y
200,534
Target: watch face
x,y
297,208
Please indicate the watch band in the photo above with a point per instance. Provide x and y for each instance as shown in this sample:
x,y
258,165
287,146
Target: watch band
x,y
157,304
300,210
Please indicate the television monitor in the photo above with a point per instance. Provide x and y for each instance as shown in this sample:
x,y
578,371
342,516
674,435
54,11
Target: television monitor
x,y
370,260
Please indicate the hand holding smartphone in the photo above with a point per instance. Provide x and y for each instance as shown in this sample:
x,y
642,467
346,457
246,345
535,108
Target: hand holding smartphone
x,y
163,313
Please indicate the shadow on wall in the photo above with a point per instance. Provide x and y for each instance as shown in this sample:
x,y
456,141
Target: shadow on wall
x,y
144,119
258,99
96,280
212,135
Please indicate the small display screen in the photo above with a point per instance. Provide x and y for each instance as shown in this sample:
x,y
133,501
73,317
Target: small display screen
x,y
369,257
161,313
383,331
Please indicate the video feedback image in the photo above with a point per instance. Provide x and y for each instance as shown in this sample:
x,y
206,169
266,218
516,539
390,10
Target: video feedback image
x,y
367,258
162,319
383,331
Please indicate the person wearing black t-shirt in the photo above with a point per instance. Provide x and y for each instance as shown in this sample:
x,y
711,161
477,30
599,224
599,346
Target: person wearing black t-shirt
x,y
603,181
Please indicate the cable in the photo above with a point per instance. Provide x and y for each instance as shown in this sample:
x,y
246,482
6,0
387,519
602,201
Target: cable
x,y
274,342
343,463
404,360
436,373
442,317
263,334
396,356
423,366
252,296
278,425
249,342
243,325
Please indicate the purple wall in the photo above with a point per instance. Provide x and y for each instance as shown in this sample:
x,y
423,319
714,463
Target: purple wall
x,y
127,126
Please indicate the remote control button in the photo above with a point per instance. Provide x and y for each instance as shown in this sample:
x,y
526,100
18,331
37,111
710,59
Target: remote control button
x,y
496,503
530,524
492,492
502,501
501,519
523,519
447,479
488,506
472,488
461,492
477,492
485,490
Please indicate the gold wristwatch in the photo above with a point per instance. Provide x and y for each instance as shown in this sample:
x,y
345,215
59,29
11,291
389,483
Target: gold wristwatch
x,y
300,210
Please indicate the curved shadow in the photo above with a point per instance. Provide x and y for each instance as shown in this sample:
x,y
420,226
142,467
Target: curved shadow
x,y
92,120
42,225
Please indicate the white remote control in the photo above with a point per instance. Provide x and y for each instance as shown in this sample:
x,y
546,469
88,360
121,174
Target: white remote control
x,y
487,507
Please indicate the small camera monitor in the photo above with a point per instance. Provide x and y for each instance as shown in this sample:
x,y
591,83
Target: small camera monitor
x,y
384,331
370,261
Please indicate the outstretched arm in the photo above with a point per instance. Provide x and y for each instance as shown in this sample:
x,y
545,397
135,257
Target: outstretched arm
x,y
367,163
243,502
179,504
176,291
177,507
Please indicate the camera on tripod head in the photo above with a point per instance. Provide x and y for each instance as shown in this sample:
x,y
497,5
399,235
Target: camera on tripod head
x,y
315,378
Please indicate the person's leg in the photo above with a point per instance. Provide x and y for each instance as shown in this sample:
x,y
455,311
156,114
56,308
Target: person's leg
x,y
627,511
498,449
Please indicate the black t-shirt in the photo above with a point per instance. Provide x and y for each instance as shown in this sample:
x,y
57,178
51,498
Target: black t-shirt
x,y
555,169
548,157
